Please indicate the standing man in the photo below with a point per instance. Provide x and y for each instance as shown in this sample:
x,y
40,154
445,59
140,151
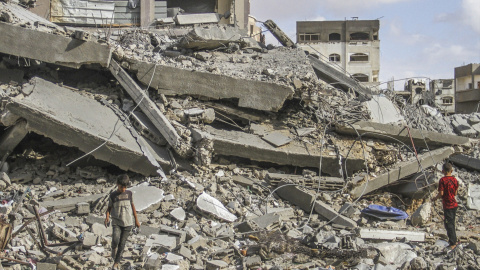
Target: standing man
x,y
447,190
121,209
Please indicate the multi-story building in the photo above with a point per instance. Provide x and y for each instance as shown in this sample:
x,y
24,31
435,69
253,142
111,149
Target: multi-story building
x,y
443,91
467,88
417,90
351,45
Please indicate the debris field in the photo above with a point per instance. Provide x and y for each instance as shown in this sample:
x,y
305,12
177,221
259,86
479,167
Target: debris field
x,y
241,156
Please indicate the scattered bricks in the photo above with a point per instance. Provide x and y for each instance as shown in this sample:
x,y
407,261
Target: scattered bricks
x,y
216,265
197,242
46,266
83,208
101,230
89,239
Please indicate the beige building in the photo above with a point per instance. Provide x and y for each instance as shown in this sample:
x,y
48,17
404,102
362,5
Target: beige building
x,y
444,92
467,88
352,45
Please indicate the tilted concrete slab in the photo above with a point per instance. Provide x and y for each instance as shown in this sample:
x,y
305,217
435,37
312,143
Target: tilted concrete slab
x,y
466,162
402,170
52,48
250,146
150,110
376,130
265,96
71,119
330,214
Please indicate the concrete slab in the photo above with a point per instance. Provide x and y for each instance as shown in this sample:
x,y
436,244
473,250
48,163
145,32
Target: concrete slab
x,y
213,206
265,96
210,37
466,162
74,120
250,146
376,130
50,48
187,19
326,183
296,196
330,214
65,205
145,196
391,235
402,170
382,110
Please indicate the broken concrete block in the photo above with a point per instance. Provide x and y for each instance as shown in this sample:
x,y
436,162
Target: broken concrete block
x,y
422,215
383,110
216,265
265,222
296,196
391,235
83,208
473,196
51,48
145,196
180,234
12,137
89,239
213,206
164,240
331,215
277,139
418,264
200,18
178,214
46,266
70,204
197,242
153,262
252,261
402,170
242,180
258,95
173,258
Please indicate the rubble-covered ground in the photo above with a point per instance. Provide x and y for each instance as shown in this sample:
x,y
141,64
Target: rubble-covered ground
x,y
280,188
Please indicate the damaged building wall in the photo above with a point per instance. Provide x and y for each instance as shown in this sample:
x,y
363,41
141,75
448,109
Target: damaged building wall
x,y
467,85
444,91
352,45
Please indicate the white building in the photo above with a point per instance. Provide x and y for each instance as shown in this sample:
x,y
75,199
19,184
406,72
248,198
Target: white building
x,y
353,45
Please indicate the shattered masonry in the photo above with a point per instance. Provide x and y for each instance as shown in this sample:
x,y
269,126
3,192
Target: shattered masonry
x,y
242,155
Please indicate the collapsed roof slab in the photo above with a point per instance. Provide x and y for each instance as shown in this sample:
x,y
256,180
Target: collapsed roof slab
x,y
400,133
401,170
265,96
51,48
250,146
74,120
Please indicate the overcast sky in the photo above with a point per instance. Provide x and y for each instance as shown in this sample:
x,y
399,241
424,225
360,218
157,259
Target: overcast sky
x,y
417,37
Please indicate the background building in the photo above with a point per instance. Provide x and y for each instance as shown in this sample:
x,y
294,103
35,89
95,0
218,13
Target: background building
x,y
467,88
352,45
444,94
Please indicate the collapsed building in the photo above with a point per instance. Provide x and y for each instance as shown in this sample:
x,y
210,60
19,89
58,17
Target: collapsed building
x,y
241,155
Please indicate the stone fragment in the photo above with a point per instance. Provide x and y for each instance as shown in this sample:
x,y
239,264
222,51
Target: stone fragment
x,y
145,196
422,215
213,206
178,214
89,239
216,265
83,208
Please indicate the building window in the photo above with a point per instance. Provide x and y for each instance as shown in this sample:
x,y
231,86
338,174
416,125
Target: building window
x,y
360,77
334,37
359,57
359,36
418,90
309,37
447,100
334,57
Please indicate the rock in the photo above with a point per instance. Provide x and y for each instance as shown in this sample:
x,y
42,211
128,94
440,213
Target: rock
x,y
178,214
422,215
4,177
208,116
418,263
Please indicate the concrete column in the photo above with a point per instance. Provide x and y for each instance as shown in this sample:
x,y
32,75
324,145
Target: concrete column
x,y
12,137
147,12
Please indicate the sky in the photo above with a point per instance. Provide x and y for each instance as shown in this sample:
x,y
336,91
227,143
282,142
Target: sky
x,y
418,38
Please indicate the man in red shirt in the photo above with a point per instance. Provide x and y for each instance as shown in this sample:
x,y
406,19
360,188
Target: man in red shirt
x,y
447,190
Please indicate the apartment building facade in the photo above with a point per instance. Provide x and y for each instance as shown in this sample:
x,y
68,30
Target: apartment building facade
x,y
467,88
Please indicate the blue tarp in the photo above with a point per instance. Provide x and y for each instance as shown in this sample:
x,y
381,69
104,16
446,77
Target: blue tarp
x,y
384,212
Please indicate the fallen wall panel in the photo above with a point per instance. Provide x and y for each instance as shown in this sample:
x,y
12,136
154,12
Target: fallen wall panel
x,y
70,119
175,81
50,48
402,170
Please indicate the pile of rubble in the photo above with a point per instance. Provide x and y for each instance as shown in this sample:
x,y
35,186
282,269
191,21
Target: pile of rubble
x,y
241,156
